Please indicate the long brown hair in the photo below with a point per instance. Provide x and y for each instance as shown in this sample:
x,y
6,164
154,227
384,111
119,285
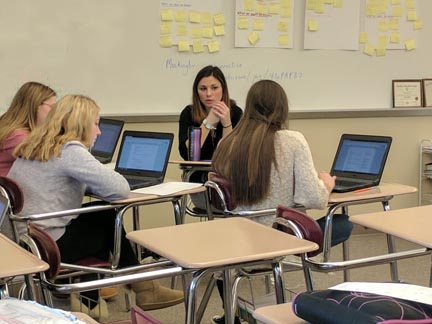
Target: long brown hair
x,y
198,110
245,157
22,112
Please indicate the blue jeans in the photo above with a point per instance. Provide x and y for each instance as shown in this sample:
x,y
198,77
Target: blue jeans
x,y
341,228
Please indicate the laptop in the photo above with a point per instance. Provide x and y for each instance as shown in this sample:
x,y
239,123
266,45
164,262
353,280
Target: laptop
x,y
143,157
105,144
359,161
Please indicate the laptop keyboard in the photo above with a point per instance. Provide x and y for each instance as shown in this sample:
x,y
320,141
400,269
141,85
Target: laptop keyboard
x,y
141,183
346,183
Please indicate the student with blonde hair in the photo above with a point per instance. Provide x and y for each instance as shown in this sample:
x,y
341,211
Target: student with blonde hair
x,y
54,168
27,110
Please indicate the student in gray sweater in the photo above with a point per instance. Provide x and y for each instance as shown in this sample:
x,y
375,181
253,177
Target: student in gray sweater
x,y
54,169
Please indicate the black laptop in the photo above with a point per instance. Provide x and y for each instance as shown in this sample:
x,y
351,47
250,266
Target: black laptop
x,y
143,157
105,144
359,161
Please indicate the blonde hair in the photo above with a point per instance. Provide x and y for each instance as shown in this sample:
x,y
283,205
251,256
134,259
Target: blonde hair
x,y
22,112
70,119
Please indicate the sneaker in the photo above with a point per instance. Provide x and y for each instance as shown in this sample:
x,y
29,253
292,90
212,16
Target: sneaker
x,y
220,319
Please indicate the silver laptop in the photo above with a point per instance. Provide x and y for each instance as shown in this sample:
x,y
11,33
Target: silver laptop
x,y
359,161
143,157
106,143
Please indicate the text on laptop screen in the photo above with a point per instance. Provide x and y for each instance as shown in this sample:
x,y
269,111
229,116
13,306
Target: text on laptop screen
x,y
108,138
147,154
361,156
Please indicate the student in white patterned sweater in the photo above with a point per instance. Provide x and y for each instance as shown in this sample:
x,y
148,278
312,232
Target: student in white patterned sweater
x,y
54,168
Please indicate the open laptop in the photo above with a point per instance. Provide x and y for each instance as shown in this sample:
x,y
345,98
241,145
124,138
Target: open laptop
x,y
105,144
359,161
143,157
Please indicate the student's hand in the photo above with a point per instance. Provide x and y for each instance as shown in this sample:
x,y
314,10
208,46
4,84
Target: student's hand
x,y
329,181
222,111
212,118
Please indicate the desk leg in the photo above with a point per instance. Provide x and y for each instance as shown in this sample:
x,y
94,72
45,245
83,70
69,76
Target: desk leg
x,y
190,298
278,282
391,248
228,298
179,210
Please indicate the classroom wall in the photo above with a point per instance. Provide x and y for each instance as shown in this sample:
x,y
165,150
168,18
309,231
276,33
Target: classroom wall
x,y
323,136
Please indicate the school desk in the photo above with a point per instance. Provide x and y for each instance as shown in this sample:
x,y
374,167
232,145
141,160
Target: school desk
x,y
199,248
277,314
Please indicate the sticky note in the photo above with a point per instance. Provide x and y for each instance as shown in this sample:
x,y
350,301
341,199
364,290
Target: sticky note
x,y
338,4
249,5
394,24
258,24
312,25
206,18
165,27
382,41
319,7
286,12
369,50
412,15
395,2
261,8
207,32
383,25
196,32
274,8
181,30
283,25
283,39
243,23
181,16
219,19
197,46
167,14
194,17
183,46
219,30
363,37
329,2
380,52
213,46
286,3
418,24
253,38
397,11
310,4
165,41
410,44
409,4
394,38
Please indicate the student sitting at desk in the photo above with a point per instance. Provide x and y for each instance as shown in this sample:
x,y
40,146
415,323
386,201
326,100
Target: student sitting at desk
x,y
214,112
54,168
269,165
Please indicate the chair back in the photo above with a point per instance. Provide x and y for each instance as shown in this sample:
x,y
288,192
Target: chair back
x,y
13,192
47,248
308,227
227,201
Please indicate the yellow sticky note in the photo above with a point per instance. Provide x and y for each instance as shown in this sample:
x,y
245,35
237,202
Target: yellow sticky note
x,y
219,30
206,18
369,50
395,2
320,7
380,52
274,8
412,15
410,44
394,38
258,24
197,46
382,41
312,25
213,46
394,24
261,8
418,24
286,3
181,30
383,25
363,37
165,27
196,32
283,25
329,2
338,4
194,17
243,23
283,39
167,14
310,4
397,11
165,41
409,4
253,38
183,46
249,5
207,32
219,19
286,12
181,16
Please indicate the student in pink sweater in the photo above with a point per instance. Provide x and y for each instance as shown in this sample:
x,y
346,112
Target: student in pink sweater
x,y
28,110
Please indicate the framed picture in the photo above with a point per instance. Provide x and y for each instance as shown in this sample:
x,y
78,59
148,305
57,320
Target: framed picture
x,y
407,93
427,92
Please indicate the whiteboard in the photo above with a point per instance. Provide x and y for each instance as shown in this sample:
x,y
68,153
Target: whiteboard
x,y
109,50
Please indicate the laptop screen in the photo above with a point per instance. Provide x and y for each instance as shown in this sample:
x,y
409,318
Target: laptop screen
x,y
106,142
364,154
144,152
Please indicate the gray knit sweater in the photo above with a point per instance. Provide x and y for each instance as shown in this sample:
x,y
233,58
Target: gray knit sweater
x,y
60,183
